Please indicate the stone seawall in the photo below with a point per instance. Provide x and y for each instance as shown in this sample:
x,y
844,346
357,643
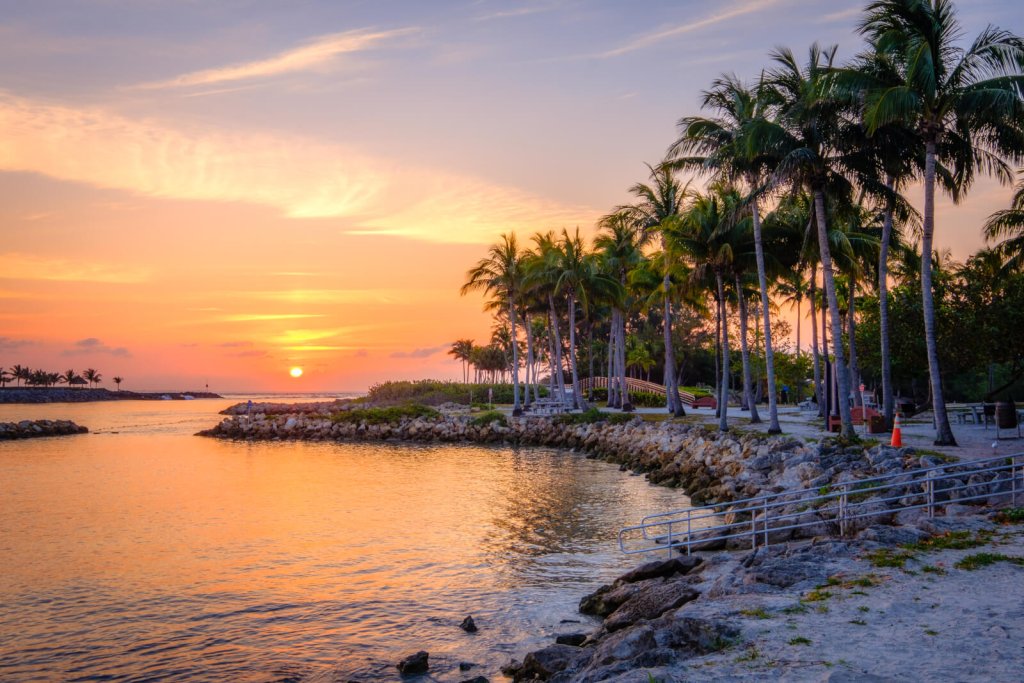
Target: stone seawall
x,y
71,395
28,429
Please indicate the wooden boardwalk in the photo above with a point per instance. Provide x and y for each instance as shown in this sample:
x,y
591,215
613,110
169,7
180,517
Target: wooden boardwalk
x,y
635,385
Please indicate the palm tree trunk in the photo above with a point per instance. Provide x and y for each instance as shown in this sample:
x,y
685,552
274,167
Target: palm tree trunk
x,y
718,355
560,380
623,387
843,381
888,401
723,402
517,408
943,431
577,396
613,392
748,393
769,352
530,370
670,361
813,291
851,333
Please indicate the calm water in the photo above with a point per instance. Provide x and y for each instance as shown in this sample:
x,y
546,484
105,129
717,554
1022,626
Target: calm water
x,y
140,552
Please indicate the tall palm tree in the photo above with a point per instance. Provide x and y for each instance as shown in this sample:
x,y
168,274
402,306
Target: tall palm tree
x,y
809,135
723,145
5,377
69,377
92,377
541,269
500,275
660,203
19,373
117,381
706,233
965,104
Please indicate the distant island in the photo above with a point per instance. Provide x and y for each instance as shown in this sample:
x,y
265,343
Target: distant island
x,y
69,395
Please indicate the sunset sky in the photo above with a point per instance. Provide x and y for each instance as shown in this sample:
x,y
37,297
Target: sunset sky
x,y
215,192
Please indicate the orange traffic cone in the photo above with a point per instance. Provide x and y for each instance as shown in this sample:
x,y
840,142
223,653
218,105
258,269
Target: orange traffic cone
x,y
897,434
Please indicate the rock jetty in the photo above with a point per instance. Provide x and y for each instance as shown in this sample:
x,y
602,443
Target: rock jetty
x,y
29,429
68,395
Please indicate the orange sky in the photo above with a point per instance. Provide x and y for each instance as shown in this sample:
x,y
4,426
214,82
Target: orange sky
x,y
192,195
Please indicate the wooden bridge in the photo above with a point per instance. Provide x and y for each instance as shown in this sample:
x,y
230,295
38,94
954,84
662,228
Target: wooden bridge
x,y
635,385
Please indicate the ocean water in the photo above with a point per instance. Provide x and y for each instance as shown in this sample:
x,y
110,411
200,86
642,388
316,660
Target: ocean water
x,y
140,552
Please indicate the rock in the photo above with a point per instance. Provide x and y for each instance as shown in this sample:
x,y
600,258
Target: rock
x,y
477,679
466,666
414,664
660,568
574,639
650,603
546,662
468,625
892,535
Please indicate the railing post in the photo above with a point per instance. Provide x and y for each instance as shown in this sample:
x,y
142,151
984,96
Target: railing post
x,y
1013,480
753,529
843,502
931,495
689,533
764,521
669,540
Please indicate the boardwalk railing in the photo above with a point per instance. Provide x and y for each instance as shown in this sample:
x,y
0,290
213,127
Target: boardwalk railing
x,y
836,506
635,385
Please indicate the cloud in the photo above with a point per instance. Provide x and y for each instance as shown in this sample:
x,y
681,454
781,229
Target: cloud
x,y
663,34
251,353
303,178
92,345
315,54
30,267
235,345
8,344
259,317
361,353
420,353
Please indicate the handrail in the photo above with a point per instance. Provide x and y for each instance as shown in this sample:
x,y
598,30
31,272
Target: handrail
x,y
855,499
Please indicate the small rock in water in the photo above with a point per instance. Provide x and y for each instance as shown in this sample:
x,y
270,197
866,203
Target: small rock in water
x,y
468,625
466,666
477,679
414,664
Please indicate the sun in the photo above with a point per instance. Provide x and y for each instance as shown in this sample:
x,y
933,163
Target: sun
x,y
295,372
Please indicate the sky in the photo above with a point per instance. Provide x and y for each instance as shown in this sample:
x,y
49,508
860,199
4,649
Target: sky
x,y
211,193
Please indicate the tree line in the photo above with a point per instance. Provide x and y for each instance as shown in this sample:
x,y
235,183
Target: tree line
x,y
42,378
806,171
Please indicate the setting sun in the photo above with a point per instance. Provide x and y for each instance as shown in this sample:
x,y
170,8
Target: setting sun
x,y
295,372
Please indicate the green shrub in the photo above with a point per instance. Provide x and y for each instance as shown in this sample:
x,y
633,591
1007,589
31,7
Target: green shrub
x,y
619,418
433,392
376,416
487,418
588,416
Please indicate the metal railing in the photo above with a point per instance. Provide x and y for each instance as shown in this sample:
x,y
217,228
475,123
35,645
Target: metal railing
x,y
636,385
836,506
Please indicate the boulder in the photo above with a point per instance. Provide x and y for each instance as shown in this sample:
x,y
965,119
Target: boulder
x,y
414,664
546,662
650,603
468,625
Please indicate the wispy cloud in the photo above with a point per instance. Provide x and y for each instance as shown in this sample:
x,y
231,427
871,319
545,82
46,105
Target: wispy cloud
x,y
523,11
235,344
842,15
92,345
261,317
665,33
8,344
420,353
317,53
31,267
303,178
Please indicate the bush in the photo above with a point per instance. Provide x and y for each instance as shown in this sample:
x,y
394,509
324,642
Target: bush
x,y
433,392
487,418
376,416
589,416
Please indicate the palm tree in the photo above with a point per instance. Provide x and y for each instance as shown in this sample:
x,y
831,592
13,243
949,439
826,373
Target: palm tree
x,y
660,204
541,275
965,104
118,380
809,136
500,275
723,145
20,373
5,377
460,351
1009,224
69,377
92,377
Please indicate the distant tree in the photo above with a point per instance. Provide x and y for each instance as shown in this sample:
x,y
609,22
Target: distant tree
x,y
117,381
69,377
460,350
5,376
20,373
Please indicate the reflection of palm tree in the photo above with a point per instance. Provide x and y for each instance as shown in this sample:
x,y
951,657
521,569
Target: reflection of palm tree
x,y
966,106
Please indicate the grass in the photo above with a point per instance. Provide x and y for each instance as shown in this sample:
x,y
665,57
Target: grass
x,y
799,640
888,557
376,416
952,540
979,560
858,622
864,608
945,458
817,595
795,609
932,569
750,655
1010,516
757,613
489,417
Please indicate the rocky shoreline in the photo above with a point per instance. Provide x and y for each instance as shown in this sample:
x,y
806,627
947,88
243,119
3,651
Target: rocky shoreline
x,y
65,395
30,429
663,618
